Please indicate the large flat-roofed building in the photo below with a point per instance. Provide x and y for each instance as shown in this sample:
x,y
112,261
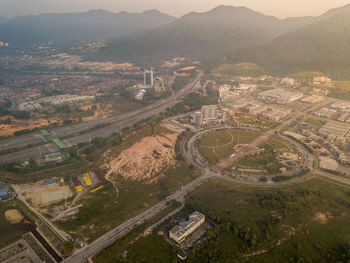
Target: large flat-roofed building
x,y
279,96
208,112
186,228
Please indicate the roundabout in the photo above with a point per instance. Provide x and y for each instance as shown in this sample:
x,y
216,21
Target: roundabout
x,y
248,155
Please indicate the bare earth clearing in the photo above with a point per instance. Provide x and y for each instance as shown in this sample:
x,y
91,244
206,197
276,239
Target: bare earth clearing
x,y
40,195
13,216
145,160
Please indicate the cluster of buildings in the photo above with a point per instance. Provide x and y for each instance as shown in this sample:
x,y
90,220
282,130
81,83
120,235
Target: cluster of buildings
x,y
181,231
279,96
210,115
322,80
255,109
4,44
335,131
53,101
148,83
325,112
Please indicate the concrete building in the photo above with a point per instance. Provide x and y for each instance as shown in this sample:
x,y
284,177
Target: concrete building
x,y
196,118
208,113
224,90
242,88
312,99
321,80
148,78
288,81
184,229
279,96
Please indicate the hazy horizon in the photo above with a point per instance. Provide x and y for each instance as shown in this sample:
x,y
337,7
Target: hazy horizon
x,y
277,8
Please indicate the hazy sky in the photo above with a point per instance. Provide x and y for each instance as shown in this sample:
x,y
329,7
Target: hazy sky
x,y
279,8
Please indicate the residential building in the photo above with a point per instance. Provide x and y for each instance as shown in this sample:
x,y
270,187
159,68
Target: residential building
x,y
224,90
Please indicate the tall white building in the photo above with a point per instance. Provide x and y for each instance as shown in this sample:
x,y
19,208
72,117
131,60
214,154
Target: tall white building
x,y
148,78
224,90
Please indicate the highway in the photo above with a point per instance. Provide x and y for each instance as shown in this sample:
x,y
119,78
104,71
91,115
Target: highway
x,y
123,121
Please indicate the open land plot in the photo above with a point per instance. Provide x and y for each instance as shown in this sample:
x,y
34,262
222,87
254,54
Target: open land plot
x,y
13,221
341,90
39,195
66,171
133,197
251,120
125,197
302,222
220,145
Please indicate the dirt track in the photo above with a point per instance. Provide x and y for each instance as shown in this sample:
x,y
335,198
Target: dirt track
x,y
245,150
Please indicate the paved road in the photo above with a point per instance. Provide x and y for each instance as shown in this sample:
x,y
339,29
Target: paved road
x,y
125,120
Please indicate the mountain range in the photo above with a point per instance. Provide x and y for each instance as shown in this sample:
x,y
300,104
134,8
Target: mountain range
x,y
76,28
202,35
322,45
236,34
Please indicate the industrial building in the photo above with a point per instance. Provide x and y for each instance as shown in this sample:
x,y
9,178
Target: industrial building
x,y
184,229
4,191
325,112
336,131
148,78
56,157
312,99
279,96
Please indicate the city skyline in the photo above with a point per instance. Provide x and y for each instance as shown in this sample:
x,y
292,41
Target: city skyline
x,y
281,9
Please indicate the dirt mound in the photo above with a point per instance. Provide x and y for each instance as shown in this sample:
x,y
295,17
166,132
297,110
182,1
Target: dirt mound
x,y
14,216
145,159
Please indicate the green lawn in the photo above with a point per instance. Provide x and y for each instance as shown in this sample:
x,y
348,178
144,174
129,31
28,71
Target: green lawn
x,y
219,145
316,122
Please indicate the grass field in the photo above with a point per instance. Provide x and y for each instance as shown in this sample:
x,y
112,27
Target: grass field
x,y
341,90
219,145
151,248
315,121
302,223
267,161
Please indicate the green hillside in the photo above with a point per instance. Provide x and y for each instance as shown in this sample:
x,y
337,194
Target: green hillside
x,y
201,36
323,46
